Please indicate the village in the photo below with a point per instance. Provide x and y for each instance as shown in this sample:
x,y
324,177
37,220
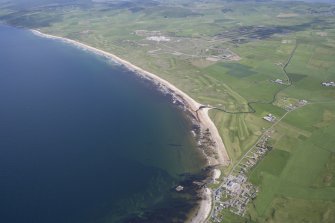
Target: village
x,y
236,191
234,195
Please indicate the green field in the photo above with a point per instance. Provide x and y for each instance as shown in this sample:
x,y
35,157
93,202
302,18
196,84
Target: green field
x,y
227,54
301,169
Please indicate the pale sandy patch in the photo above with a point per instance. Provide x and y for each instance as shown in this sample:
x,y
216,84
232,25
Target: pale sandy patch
x,y
204,207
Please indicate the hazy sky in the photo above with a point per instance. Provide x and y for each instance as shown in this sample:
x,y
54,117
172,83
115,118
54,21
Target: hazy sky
x,y
29,3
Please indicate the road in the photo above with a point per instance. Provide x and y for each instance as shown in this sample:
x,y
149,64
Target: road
x,y
265,132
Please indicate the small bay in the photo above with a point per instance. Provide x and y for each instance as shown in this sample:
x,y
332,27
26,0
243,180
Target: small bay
x,y
85,140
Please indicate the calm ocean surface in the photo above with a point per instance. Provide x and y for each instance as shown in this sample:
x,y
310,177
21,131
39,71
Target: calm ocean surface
x,y
83,140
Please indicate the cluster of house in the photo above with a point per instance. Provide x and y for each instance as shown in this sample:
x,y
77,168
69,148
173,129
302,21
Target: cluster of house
x,y
252,159
222,54
278,81
159,38
328,84
236,192
234,195
300,103
270,118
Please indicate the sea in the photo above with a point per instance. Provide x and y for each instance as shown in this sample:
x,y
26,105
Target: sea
x,y
84,140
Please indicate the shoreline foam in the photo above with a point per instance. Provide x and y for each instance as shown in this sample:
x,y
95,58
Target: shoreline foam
x,y
191,105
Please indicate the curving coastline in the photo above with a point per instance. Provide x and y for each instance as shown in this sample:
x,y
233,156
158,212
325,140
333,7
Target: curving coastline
x,y
189,103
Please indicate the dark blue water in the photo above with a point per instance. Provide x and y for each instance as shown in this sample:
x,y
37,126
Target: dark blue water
x,y
84,140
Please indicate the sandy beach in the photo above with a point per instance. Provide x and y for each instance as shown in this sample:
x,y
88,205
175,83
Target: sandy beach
x,y
204,207
204,120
